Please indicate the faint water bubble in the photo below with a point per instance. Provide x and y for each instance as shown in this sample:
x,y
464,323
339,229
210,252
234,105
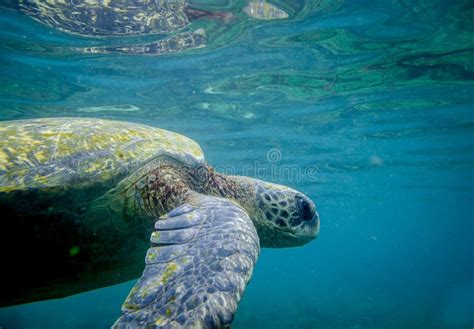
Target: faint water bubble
x,y
375,160
249,115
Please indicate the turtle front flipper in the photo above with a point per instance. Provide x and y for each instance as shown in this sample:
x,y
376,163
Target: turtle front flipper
x,y
201,259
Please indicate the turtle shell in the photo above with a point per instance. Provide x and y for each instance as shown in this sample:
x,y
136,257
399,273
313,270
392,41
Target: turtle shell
x,y
108,17
60,190
77,152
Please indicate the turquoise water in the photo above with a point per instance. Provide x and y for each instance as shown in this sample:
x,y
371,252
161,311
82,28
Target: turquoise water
x,y
372,101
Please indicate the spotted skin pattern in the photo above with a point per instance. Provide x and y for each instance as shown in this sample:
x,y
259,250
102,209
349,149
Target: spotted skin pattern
x,y
279,209
285,214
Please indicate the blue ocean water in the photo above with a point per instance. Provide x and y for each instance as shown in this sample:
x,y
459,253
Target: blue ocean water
x,y
371,102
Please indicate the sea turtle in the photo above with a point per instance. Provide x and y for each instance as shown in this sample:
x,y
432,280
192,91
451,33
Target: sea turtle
x,y
80,198
104,18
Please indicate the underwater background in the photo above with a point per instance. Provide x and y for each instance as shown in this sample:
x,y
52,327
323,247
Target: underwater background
x,y
369,103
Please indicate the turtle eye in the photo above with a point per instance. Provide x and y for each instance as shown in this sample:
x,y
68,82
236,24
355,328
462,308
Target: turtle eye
x,y
307,211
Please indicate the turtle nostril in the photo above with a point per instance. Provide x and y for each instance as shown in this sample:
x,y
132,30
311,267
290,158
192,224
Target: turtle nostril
x,y
306,210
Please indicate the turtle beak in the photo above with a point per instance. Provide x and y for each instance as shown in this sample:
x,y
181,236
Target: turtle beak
x,y
309,229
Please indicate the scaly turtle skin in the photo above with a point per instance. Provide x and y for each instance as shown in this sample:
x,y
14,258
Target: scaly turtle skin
x,y
80,199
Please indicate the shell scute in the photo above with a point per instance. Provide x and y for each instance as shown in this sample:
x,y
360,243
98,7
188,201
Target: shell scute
x,y
73,151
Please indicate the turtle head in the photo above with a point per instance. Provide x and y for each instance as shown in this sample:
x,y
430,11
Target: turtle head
x,y
282,216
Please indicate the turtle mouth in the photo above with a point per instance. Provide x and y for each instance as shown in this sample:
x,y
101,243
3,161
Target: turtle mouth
x,y
291,239
288,237
308,230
